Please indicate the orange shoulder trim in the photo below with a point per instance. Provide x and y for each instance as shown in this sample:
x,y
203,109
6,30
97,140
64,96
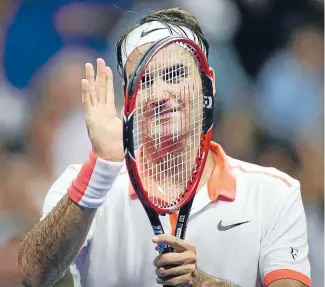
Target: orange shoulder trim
x,y
282,178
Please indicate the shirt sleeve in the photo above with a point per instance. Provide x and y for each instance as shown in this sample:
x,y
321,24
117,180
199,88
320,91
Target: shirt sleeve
x,y
284,248
54,195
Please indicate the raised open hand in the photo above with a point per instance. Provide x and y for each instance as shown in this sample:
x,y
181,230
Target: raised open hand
x,y
104,127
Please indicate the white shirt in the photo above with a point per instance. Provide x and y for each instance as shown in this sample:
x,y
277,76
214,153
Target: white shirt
x,y
270,244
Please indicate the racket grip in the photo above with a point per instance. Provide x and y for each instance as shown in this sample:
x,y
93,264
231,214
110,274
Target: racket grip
x,y
162,247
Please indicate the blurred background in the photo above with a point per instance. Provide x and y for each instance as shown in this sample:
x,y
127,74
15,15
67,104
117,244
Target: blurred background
x,y
269,62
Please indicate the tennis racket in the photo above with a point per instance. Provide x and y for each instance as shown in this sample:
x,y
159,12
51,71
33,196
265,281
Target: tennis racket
x,y
167,128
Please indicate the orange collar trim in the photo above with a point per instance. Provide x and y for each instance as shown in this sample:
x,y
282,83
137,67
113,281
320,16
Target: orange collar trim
x,y
221,183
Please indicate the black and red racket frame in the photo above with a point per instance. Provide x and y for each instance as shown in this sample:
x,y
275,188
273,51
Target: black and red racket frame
x,y
130,95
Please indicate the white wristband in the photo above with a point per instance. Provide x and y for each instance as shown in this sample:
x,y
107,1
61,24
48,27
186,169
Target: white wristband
x,y
93,182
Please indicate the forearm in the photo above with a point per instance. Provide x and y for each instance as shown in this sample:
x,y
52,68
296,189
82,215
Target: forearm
x,y
49,248
206,280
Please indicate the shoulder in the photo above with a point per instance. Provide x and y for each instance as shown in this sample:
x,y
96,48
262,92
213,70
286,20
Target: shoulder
x,y
268,180
69,173
273,194
65,179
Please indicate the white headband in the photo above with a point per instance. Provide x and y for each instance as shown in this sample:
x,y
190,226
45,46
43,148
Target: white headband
x,y
151,32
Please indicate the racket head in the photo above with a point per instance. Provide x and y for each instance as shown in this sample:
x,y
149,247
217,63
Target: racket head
x,y
159,128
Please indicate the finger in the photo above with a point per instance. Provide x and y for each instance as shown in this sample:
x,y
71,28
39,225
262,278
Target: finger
x,y
86,96
100,83
173,258
109,87
90,76
175,242
181,280
175,270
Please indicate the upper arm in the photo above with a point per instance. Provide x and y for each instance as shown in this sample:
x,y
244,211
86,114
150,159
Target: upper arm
x,y
284,248
287,283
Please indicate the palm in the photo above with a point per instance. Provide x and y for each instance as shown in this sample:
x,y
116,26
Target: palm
x,y
104,127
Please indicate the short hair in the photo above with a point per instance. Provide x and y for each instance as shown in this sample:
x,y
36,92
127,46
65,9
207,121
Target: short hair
x,y
172,16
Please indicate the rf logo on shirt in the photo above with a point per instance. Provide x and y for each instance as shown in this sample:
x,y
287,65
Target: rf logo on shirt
x,y
294,253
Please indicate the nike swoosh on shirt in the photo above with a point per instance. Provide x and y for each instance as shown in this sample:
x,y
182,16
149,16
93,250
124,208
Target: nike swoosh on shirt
x,y
227,227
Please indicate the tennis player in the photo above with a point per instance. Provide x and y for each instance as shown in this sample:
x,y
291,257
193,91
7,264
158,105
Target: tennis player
x,y
247,223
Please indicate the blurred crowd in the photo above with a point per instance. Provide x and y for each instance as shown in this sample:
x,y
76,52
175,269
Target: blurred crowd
x,y
268,56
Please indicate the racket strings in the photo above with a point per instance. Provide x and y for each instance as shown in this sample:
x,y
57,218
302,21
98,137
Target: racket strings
x,y
154,72
173,185
178,156
159,105
168,124
169,162
174,144
171,175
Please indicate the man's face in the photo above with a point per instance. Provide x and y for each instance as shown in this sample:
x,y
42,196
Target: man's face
x,y
169,100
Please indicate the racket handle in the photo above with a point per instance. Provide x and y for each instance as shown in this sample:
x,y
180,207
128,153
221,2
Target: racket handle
x,y
164,248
